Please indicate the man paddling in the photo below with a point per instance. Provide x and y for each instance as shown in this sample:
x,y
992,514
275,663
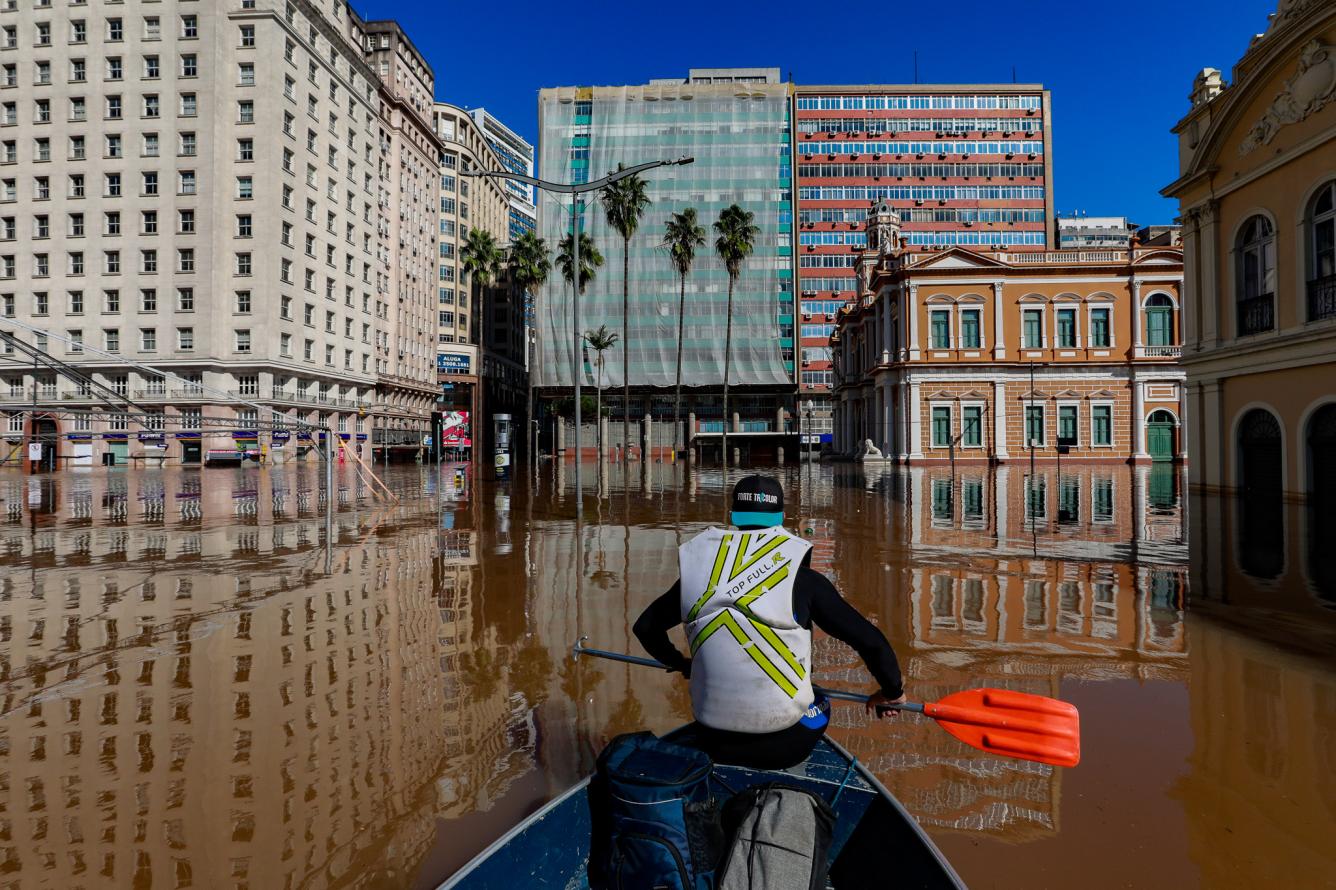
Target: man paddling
x,y
749,597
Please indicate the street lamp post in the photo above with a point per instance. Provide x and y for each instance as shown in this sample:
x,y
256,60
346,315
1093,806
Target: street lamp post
x,y
575,190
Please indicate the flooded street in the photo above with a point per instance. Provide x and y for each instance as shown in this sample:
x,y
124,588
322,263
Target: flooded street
x,y
198,692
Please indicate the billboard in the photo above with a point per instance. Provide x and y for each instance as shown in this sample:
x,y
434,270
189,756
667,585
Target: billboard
x,y
455,432
454,363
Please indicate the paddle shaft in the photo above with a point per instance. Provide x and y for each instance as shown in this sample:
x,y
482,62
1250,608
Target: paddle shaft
x,y
581,649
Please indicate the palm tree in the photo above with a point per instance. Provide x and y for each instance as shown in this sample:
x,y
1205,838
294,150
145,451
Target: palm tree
x,y
737,238
624,202
529,268
682,236
599,341
482,260
590,260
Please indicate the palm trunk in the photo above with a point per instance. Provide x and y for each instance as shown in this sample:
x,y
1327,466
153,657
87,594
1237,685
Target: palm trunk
x,y
626,350
598,411
728,355
681,328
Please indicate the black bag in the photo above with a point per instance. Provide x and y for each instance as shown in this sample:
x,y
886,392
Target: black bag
x,y
779,839
654,822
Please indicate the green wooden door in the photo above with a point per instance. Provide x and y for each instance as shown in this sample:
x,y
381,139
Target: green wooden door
x,y
1160,440
1159,327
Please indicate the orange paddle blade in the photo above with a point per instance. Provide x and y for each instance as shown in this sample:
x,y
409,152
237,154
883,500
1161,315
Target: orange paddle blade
x,y
1013,724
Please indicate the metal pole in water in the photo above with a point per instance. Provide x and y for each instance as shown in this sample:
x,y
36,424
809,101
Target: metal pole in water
x,y
329,498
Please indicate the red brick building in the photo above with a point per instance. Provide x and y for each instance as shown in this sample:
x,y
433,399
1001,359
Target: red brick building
x,y
964,165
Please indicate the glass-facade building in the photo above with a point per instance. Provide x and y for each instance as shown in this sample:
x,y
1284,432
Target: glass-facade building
x,y
517,156
739,132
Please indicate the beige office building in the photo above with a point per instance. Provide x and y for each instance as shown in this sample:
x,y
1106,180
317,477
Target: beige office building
x,y
1257,192
236,193
467,202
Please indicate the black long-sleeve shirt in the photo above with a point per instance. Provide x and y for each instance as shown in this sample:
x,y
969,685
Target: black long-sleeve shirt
x,y
815,601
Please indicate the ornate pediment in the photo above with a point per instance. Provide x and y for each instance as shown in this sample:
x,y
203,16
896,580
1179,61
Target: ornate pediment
x,y
956,258
1308,91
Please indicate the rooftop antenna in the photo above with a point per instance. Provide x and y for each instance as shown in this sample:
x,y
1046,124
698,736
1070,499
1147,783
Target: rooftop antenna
x,y
1013,73
916,66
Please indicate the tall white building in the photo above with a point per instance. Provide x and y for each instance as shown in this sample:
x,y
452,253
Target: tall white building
x,y
237,192
516,155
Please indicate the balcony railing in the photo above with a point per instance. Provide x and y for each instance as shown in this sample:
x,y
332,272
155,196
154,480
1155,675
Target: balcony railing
x,y
1257,315
1322,298
1162,351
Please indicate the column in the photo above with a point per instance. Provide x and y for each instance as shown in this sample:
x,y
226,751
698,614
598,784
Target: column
x,y
913,343
1000,419
1182,420
1136,315
915,422
1138,421
902,449
1208,295
887,421
1209,450
1190,298
999,335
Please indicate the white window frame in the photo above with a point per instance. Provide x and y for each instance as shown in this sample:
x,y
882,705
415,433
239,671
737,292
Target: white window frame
x,y
959,338
1057,420
1113,413
1042,309
1042,405
983,421
1090,325
950,421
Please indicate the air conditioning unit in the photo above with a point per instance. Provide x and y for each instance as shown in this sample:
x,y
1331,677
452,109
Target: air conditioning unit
x,y
876,157
809,293
1006,134
807,316
918,202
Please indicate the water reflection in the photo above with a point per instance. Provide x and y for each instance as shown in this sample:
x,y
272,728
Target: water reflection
x,y
191,698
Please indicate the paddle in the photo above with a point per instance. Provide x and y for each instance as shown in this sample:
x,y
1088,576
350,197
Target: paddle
x,y
999,721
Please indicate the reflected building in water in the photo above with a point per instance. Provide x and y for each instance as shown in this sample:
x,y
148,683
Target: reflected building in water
x,y
194,701
1010,580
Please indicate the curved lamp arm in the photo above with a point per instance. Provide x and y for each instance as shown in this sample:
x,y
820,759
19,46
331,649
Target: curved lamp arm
x,y
574,188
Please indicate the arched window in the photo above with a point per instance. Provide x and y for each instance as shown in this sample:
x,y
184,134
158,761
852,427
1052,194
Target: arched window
x,y
1260,454
1322,254
1255,284
1159,321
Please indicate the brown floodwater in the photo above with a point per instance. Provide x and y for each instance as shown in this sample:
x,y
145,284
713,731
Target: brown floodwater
x,y
199,690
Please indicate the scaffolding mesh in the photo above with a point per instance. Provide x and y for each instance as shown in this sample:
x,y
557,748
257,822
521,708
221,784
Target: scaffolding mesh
x,y
739,136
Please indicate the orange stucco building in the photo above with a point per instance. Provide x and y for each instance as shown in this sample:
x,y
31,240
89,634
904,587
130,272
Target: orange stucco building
x,y
1257,193
956,355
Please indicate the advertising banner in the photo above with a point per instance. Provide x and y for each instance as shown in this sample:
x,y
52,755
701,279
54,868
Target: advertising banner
x,y
455,431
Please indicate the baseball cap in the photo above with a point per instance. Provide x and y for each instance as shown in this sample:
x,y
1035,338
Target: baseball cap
x,y
759,501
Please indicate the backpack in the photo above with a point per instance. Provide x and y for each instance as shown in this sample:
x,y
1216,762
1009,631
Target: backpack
x,y
654,822
780,839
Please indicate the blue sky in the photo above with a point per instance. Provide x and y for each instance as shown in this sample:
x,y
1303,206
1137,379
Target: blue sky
x,y
1119,73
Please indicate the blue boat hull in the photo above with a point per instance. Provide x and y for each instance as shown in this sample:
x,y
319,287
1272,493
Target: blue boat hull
x,y
876,842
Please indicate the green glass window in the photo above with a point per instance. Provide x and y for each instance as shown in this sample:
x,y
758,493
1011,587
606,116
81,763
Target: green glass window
x,y
971,499
941,500
1067,328
1159,321
1101,501
941,329
1034,425
1099,327
1034,328
969,329
1067,425
1036,497
1101,424
941,427
971,426
1069,500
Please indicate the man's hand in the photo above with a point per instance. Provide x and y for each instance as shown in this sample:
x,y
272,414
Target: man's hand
x,y
883,705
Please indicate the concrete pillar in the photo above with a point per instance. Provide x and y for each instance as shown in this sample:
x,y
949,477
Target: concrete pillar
x,y
1190,298
737,457
887,421
779,419
912,307
904,422
781,455
1000,419
1213,328
999,334
1182,420
561,437
737,422
915,422
1136,315
1138,420
1212,450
